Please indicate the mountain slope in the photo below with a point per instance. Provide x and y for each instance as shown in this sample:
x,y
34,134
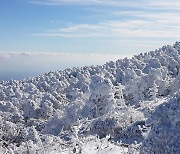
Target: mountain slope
x,y
112,104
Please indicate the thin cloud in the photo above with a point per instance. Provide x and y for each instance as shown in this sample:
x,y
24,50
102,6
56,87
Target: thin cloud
x,y
131,23
143,4
75,2
165,4
145,25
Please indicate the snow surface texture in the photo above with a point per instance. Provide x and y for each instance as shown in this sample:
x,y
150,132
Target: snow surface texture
x,y
128,106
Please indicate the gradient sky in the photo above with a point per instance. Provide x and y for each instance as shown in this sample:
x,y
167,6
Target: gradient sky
x,y
88,26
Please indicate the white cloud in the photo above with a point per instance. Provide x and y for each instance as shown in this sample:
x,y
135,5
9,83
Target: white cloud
x,y
20,65
143,20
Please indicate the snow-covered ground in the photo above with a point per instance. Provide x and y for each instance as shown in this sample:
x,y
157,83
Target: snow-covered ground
x,y
128,106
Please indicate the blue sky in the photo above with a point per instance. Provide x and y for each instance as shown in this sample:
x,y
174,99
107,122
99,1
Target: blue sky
x,y
35,34
88,26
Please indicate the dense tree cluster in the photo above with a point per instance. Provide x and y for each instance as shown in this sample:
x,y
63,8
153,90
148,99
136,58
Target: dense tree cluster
x,y
114,99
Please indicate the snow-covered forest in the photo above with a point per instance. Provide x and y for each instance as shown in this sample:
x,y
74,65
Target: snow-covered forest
x,y
128,106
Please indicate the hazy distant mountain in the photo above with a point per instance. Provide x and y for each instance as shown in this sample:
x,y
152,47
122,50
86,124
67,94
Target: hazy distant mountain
x,y
128,106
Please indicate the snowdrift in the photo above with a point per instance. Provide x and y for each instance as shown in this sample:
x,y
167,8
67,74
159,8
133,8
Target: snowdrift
x,y
127,106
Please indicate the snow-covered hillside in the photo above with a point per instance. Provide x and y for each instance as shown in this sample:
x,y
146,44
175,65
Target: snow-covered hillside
x,y
127,106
